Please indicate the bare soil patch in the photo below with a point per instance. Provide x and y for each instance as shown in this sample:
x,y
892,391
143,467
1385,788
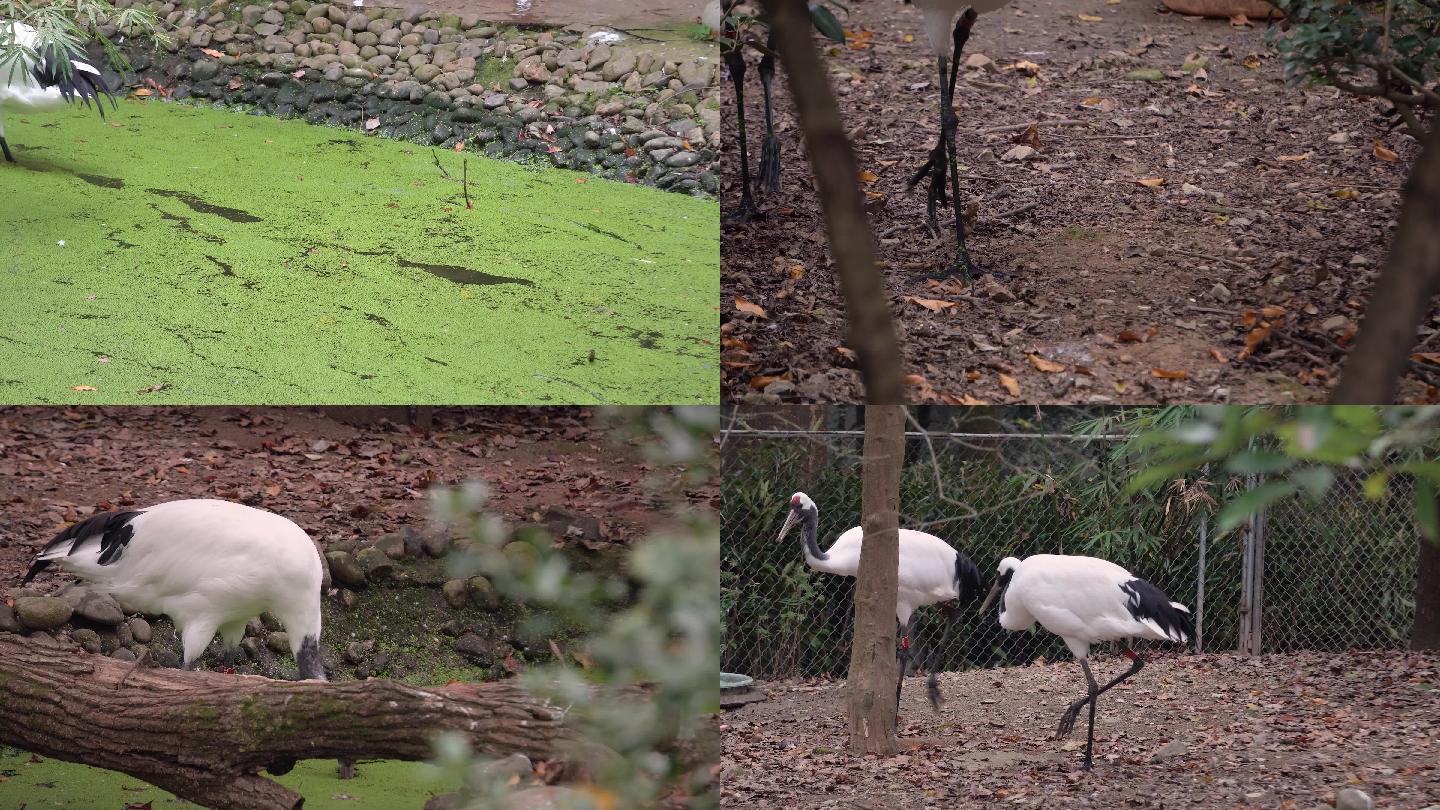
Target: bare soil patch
x,y
1273,215
1275,731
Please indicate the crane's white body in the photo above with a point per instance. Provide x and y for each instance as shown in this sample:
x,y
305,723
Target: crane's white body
x,y
939,19
207,564
926,574
1081,599
19,87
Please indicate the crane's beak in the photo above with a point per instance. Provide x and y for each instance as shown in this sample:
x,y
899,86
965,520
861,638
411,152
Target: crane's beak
x,y
790,521
990,597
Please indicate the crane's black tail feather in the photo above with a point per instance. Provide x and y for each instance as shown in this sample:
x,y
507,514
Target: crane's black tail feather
x,y
113,528
1145,601
968,583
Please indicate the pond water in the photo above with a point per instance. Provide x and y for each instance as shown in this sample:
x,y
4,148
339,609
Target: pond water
x,y
173,254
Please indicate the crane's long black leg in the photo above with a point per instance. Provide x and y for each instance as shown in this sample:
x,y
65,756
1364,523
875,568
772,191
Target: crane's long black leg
x,y
5,147
1067,720
961,36
770,151
934,165
932,684
735,62
904,657
1094,698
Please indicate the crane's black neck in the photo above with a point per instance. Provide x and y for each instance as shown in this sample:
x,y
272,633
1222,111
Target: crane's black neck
x,y
808,530
1004,583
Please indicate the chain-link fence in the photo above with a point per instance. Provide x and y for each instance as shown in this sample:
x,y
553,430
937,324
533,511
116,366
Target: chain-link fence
x,y
1332,574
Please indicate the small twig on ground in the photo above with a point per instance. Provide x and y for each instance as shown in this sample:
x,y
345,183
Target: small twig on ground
x,y
1211,311
1220,259
1101,137
465,182
1017,210
1020,127
436,156
630,33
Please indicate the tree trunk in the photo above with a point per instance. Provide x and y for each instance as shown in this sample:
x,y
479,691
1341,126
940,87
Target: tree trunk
x,y
203,735
1425,635
852,247
1401,299
872,675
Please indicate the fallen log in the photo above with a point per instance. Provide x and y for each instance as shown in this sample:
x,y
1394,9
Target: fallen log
x,y
204,735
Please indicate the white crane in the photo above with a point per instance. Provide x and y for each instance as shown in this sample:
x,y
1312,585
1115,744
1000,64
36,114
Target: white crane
x,y
207,564
931,571
947,43
39,79
1084,600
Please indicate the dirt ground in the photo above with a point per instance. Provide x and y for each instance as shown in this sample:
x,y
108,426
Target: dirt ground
x,y
1276,731
1271,221
339,473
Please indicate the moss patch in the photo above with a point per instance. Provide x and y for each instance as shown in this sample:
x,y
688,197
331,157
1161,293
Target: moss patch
x,y
215,257
56,784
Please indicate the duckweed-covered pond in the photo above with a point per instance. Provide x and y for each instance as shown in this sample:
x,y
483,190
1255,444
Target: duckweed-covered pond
x,y
41,783
174,254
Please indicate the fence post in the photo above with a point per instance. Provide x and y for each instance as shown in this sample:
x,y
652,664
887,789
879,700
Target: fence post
x,y
1204,523
1257,612
1252,579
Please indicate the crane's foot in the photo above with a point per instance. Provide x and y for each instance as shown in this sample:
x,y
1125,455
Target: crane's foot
x,y
934,168
744,214
932,691
1067,720
770,164
5,147
965,270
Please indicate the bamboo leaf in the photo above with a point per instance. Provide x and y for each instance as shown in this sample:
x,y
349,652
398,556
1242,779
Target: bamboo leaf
x,y
1239,510
826,23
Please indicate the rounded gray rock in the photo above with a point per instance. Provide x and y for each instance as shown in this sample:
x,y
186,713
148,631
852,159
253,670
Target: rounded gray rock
x,y
140,630
1353,799
87,638
42,612
457,593
344,570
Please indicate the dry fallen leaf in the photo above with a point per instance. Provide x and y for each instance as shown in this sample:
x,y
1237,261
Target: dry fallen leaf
x,y
1254,339
1151,182
1294,158
924,391
753,309
1384,154
1010,383
1219,357
1168,374
211,52
1041,364
1089,18
760,382
868,176
848,354
82,388
932,304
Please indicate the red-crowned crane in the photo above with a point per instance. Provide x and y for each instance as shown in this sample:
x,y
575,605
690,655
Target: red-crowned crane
x,y
40,79
1084,600
947,43
930,572
207,564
